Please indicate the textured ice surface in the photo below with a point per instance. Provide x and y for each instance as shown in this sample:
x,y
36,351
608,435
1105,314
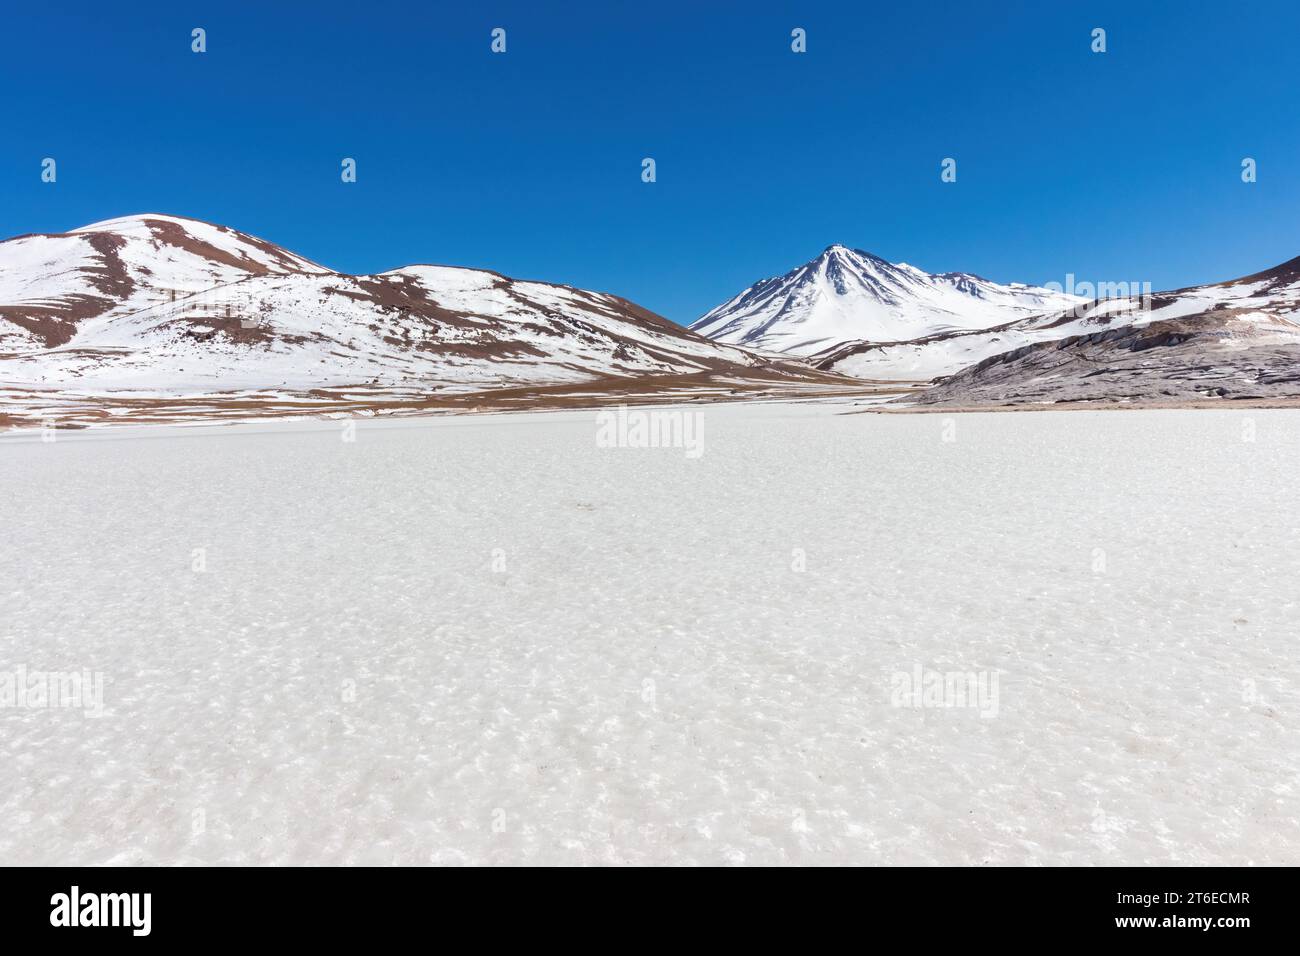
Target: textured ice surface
x,y
487,640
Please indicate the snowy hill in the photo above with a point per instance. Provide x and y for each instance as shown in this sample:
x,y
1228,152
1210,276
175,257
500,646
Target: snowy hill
x,y
166,306
848,295
1192,359
55,287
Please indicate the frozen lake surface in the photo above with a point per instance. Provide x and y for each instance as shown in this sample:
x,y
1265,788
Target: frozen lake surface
x,y
488,640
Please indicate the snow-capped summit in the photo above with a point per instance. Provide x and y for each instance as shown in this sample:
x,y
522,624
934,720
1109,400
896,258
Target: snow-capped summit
x,y
849,295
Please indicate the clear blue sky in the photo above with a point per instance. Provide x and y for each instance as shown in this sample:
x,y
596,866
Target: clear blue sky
x,y
1115,166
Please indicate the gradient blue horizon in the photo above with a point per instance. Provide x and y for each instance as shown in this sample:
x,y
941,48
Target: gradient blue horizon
x,y
1123,166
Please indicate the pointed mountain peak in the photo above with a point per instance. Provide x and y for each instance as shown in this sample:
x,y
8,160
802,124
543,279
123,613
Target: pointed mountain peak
x,y
838,252
847,294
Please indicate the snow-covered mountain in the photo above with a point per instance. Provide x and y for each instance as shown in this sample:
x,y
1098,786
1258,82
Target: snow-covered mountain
x,y
1242,312
162,305
848,295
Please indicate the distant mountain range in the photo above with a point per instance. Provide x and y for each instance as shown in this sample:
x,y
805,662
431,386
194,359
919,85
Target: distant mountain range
x,y
156,317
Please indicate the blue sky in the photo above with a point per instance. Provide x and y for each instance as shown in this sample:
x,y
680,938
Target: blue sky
x,y
1117,166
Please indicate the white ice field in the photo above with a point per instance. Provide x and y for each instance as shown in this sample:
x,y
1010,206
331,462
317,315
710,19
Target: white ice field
x,y
487,640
